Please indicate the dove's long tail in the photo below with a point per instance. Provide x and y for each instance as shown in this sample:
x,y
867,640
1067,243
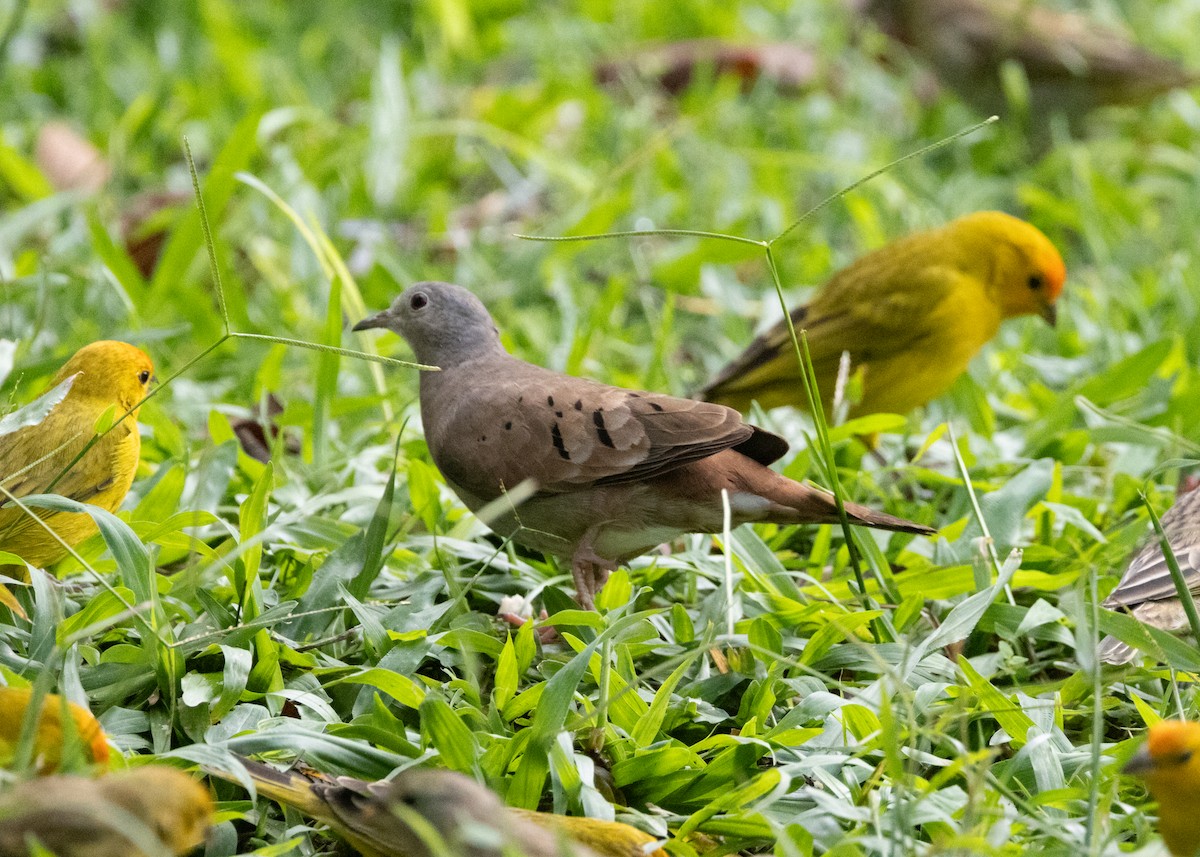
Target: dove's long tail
x,y
758,493
881,520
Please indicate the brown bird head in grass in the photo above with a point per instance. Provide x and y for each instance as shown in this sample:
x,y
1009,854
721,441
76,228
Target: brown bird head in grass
x,y
422,812
444,325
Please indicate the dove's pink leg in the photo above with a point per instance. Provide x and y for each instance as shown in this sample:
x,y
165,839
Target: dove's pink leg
x,y
589,570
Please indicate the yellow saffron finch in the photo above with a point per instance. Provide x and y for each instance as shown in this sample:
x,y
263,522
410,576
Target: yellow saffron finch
x,y
1169,762
49,736
911,315
108,378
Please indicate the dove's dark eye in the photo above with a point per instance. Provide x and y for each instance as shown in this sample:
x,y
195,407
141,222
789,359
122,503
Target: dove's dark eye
x,y
418,301
144,376
1035,282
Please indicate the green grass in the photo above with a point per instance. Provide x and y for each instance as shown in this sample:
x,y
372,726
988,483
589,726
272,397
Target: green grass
x,y
339,603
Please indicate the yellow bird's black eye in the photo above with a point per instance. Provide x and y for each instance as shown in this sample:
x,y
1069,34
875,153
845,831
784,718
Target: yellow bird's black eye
x,y
144,376
1035,282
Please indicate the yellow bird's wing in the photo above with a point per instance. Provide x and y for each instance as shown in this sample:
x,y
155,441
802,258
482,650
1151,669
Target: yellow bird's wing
x,y
872,314
36,446
50,447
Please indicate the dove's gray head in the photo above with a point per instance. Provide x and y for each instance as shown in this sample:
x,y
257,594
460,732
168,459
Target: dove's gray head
x,y
444,324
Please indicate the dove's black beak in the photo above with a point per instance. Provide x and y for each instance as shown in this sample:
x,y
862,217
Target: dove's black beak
x,y
380,319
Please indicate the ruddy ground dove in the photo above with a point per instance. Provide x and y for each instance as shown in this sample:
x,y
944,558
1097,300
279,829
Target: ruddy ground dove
x,y
615,471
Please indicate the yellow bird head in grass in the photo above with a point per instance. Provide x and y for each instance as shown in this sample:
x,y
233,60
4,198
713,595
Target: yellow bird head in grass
x,y
1169,762
115,372
148,811
1023,270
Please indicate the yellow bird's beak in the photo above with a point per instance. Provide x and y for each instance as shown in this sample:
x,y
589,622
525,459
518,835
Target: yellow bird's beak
x,y
1049,313
1140,763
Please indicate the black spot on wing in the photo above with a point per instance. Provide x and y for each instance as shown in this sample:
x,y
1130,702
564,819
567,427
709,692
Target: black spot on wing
x,y
556,436
656,406
601,429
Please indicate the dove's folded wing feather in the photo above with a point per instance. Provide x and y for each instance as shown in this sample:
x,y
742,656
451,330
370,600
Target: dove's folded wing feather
x,y
567,433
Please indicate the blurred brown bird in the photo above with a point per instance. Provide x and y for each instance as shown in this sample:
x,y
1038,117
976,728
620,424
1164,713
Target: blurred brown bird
x,y
1147,590
400,817
786,65
142,812
1072,64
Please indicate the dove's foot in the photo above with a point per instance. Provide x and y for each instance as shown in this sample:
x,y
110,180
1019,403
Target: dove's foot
x,y
590,572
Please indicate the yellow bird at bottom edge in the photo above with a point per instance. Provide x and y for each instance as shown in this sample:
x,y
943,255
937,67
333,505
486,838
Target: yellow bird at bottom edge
x,y
1169,762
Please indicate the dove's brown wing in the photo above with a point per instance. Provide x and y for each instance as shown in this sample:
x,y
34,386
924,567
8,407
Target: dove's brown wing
x,y
494,423
1148,578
